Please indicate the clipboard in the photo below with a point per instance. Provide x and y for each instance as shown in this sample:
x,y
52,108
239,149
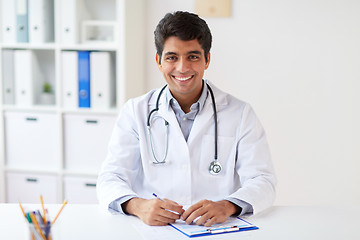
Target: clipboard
x,y
233,224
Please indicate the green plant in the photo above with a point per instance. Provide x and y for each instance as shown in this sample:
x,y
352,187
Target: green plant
x,y
47,87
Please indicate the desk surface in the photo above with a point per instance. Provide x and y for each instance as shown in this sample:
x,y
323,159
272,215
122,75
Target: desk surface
x,y
91,222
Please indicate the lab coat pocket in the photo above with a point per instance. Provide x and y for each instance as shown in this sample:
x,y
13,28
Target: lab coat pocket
x,y
226,154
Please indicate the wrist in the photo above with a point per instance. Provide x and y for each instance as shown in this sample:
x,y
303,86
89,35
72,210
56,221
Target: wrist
x,y
231,208
131,206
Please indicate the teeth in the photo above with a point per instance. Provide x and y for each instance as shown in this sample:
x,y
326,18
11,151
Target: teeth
x,y
182,78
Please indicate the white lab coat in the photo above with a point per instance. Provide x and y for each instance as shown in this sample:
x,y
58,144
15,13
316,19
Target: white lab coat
x,y
247,172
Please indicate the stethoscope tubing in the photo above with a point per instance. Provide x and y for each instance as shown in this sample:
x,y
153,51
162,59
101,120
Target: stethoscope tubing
x,y
215,166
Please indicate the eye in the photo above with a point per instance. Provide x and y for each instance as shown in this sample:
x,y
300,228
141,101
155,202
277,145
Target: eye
x,y
194,57
170,58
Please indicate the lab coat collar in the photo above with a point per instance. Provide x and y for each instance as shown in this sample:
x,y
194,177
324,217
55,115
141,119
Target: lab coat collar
x,y
207,114
201,100
220,99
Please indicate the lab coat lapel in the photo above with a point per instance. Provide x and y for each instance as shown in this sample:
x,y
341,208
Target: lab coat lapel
x,y
168,114
207,114
204,116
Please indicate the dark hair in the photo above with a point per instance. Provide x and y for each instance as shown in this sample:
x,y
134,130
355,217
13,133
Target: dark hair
x,y
184,25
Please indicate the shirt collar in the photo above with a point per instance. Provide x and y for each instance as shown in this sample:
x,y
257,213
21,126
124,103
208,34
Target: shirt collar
x,y
200,101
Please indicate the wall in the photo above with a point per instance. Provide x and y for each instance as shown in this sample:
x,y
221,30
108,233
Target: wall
x,y
297,63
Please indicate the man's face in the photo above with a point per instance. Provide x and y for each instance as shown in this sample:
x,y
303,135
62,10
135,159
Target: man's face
x,y
183,65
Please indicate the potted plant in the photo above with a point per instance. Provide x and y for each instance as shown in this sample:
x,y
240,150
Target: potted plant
x,y
47,96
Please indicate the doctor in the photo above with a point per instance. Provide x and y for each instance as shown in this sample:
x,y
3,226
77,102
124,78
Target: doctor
x,y
202,151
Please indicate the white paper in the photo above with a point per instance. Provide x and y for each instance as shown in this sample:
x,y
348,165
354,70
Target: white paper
x,y
193,229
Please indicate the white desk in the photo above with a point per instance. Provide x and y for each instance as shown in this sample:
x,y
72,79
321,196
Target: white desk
x,y
91,222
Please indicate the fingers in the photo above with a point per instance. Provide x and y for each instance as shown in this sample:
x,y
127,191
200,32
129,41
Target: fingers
x,y
158,212
207,213
190,210
173,207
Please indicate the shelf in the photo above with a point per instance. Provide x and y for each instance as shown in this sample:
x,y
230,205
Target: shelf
x,y
79,173
100,46
30,46
62,140
55,109
91,111
39,108
31,171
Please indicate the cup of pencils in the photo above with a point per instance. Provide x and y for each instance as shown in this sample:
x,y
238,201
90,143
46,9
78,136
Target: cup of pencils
x,y
39,222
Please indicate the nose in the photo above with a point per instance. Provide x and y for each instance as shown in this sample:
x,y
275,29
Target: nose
x,y
182,65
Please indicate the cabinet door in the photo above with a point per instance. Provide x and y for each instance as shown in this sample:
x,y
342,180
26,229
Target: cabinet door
x,y
80,190
27,188
32,140
86,141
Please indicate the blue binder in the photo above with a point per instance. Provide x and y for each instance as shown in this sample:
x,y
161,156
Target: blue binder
x,y
84,78
22,28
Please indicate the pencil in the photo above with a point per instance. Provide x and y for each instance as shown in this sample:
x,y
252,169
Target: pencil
x,y
22,210
64,203
33,218
43,207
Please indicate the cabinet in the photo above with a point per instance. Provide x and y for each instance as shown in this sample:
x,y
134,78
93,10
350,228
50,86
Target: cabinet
x,y
53,55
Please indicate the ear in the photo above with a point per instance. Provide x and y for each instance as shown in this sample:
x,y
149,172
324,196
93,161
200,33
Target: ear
x,y
158,61
208,61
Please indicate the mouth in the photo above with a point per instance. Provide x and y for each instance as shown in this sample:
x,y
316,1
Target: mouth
x,y
183,78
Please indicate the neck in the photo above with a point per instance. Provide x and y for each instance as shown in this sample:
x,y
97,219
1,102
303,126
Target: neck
x,y
186,101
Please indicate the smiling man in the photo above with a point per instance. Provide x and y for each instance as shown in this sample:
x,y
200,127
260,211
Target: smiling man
x,y
201,150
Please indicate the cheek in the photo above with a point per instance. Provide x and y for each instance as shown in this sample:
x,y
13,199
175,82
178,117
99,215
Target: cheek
x,y
165,68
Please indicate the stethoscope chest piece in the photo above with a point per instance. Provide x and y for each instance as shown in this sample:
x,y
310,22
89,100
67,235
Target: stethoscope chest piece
x,y
215,167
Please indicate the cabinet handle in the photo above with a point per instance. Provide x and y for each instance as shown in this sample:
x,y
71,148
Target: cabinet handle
x,y
31,180
92,121
90,184
31,119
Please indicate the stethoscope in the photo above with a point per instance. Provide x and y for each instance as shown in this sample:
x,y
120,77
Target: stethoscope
x,y
215,166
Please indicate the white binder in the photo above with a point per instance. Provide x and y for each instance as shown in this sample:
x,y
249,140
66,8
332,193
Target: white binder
x,y
27,77
8,76
41,21
69,78
22,21
101,80
8,19
72,13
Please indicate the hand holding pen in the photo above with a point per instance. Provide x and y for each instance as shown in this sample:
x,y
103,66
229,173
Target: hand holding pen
x,y
175,203
155,212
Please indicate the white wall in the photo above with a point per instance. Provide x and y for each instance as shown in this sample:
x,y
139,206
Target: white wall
x,y
298,64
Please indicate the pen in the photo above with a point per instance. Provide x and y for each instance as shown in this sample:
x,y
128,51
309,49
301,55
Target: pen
x,y
47,229
154,194
28,217
223,229
38,216
64,203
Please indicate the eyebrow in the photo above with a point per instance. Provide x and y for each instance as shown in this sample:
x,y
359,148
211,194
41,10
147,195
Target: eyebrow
x,y
174,53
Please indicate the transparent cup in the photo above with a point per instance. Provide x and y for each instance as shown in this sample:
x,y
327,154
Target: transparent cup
x,y
40,232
